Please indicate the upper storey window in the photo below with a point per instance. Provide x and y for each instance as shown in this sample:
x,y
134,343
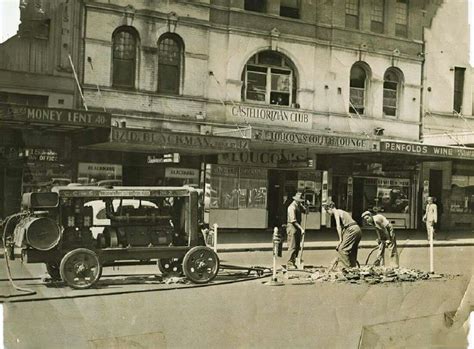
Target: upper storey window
x,y
290,8
352,14
269,77
392,84
377,16
401,18
255,5
458,88
358,85
170,61
124,57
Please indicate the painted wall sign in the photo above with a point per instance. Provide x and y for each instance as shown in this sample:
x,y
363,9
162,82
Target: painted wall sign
x,y
427,150
310,139
266,158
183,173
177,140
54,116
269,115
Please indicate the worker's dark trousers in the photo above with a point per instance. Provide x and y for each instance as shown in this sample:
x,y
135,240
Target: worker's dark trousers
x,y
294,242
347,250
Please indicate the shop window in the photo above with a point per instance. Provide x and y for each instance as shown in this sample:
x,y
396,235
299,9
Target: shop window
x,y
377,16
234,188
462,194
124,57
401,18
269,77
391,91
255,5
458,88
352,14
290,8
387,195
170,62
358,84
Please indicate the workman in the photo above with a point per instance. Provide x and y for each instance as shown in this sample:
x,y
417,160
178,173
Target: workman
x,y
349,235
385,238
294,230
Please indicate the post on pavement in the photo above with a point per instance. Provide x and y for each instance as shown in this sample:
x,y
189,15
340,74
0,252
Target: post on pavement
x,y
431,253
215,226
277,252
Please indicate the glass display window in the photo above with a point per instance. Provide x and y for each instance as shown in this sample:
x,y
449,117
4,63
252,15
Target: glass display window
x,y
389,195
462,194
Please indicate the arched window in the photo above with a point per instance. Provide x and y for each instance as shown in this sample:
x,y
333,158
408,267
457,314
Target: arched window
x,y
269,77
124,57
358,85
392,83
170,60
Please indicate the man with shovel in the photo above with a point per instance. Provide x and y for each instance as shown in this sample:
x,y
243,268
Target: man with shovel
x,y
294,230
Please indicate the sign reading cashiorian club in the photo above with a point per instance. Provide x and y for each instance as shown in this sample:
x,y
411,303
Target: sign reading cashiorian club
x,y
426,150
276,116
54,115
176,139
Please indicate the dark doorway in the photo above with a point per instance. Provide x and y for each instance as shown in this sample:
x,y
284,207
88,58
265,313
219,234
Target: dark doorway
x,y
436,190
275,199
358,200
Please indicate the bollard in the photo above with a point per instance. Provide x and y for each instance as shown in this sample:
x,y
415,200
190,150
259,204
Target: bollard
x,y
431,252
277,252
215,237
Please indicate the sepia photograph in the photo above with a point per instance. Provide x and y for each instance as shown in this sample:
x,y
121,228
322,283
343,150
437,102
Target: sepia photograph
x,y
236,174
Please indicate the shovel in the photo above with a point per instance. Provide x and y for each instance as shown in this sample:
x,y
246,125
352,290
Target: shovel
x,y
299,260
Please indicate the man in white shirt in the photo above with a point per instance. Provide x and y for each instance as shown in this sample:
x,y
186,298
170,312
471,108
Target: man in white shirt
x,y
431,217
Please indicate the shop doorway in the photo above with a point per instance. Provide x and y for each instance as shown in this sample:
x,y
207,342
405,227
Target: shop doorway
x,y
358,200
275,199
436,189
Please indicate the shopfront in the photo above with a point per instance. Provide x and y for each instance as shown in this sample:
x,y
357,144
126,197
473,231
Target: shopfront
x,y
37,148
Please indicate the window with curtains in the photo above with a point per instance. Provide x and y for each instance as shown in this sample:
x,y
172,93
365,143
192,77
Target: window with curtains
x,y
124,57
290,8
377,16
170,63
269,77
352,14
358,85
401,18
392,84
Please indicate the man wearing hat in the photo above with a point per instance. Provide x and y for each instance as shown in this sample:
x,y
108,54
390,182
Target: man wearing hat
x,y
294,230
385,238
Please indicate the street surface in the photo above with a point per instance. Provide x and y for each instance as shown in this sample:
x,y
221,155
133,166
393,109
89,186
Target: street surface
x,y
246,314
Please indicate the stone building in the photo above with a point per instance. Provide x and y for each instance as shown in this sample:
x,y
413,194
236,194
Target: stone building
x,y
254,100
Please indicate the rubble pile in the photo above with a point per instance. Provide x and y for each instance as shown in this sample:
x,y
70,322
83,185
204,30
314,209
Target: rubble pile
x,y
369,275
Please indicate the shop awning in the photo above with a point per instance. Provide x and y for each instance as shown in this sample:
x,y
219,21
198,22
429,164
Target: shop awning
x,y
142,140
51,119
426,152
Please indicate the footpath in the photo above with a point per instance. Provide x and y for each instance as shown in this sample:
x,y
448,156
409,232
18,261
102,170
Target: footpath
x,y
233,241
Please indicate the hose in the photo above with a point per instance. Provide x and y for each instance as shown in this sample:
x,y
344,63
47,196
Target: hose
x,y
6,255
370,254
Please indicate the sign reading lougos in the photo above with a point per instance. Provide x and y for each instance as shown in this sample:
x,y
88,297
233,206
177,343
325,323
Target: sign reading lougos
x,y
270,116
177,140
426,150
54,115
283,158
315,140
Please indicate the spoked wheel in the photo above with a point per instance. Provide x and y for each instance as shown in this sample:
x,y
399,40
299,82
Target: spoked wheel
x,y
171,266
80,268
53,270
201,264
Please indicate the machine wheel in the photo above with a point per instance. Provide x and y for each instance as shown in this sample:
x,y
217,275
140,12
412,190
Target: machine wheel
x,y
53,271
80,268
201,264
171,266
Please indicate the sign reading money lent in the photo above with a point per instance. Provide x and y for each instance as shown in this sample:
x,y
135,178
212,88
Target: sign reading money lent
x,y
177,140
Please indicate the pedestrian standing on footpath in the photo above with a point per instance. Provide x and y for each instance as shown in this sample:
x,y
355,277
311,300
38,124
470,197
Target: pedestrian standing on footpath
x,y
385,238
294,230
431,218
349,235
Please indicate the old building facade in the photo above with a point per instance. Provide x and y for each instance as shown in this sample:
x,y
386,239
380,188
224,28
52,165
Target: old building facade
x,y
255,100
